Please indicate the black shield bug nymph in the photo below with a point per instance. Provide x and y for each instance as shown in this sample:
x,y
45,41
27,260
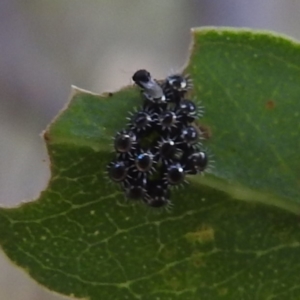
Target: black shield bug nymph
x,y
135,188
167,149
196,163
158,194
180,83
117,171
141,121
175,174
175,87
189,135
187,111
144,162
125,142
167,120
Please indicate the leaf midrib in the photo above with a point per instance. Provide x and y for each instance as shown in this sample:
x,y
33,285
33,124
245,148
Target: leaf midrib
x,y
243,193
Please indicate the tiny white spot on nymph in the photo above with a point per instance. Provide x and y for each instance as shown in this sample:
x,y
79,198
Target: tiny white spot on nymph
x,y
92,212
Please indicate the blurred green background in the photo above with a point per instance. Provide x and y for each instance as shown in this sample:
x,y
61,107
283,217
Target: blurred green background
x,y
45,46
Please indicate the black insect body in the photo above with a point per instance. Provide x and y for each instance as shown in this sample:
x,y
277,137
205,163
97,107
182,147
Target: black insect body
x,y
160,146
158,194
144,162
175,174
125,142
189,135
187,111
141,78
167,120
152,91
196,163
141,121
179,83
117,171
167,149
176,86
135,188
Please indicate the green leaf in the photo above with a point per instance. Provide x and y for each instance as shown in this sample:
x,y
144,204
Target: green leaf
x,y
250,86
81,238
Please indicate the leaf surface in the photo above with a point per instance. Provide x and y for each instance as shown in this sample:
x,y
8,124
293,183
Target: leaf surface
x,y
81,238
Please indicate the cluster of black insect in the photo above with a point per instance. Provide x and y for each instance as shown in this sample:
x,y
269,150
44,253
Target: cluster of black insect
x,y
160,144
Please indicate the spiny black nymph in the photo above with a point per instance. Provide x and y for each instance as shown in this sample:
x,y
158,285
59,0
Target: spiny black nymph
x,y
160,145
